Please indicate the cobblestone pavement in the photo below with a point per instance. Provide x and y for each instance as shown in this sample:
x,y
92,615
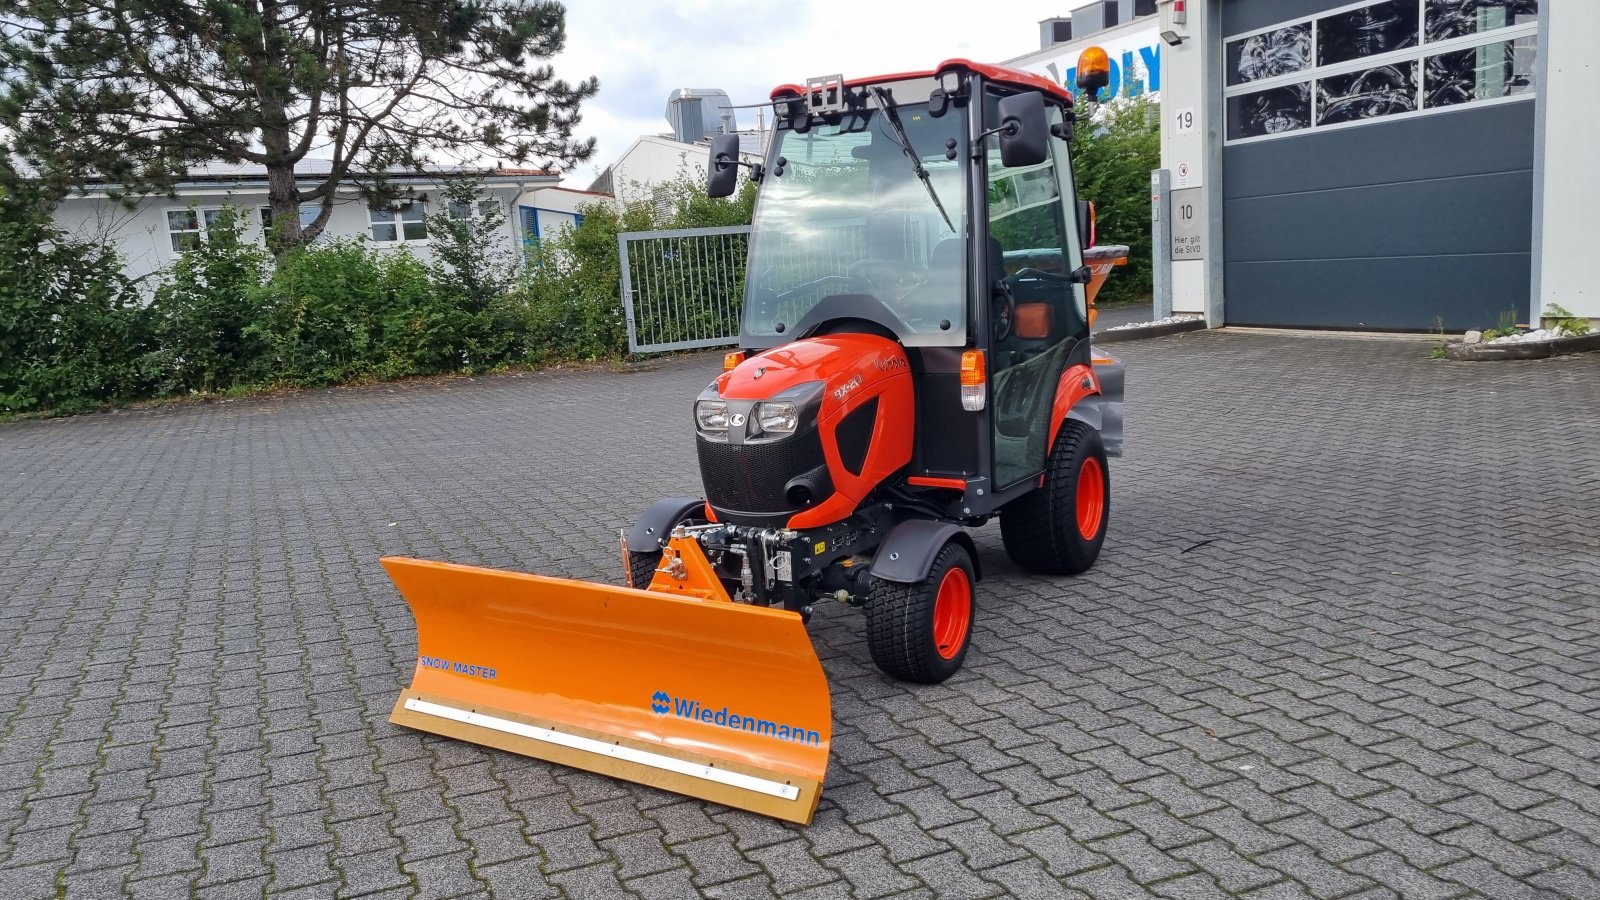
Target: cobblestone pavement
x,y
1342,642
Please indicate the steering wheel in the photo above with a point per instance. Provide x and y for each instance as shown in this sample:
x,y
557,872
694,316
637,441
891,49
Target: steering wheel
x,y
1006,316
815,282
1031,272
861,274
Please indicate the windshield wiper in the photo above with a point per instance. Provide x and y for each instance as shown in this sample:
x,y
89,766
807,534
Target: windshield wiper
x,y
904,142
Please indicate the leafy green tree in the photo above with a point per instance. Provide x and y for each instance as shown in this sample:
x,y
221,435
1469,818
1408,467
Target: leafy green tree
x,y
137,91
1113,154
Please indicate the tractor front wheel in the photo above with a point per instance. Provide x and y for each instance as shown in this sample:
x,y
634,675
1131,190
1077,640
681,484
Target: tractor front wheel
x,y
1059,528
920,632
642,567
642,564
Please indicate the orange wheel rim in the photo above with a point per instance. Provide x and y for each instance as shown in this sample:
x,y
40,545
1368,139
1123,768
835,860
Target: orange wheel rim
x,y
1091,498
952,613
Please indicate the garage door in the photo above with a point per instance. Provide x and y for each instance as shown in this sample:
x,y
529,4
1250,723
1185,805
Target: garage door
x,y
1378,162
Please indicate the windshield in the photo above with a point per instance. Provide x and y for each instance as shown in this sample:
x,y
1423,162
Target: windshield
x,y
853,217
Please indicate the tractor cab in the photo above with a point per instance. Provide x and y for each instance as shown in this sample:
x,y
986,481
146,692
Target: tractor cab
x,y
934,210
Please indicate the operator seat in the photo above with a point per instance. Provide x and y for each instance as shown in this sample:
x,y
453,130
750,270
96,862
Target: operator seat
x,y
941,289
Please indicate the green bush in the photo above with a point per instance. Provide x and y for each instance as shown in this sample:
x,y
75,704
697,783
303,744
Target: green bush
x,y
206,307
73,334
1113,155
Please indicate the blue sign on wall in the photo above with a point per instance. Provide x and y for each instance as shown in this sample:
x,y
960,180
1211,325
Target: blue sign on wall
x,y
1135,70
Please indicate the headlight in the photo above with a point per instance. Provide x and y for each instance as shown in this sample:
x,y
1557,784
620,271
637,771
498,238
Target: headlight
x,y
778,416
712,415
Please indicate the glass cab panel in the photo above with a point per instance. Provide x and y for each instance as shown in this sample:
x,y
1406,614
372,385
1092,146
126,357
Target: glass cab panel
x,y
1037,314
849,219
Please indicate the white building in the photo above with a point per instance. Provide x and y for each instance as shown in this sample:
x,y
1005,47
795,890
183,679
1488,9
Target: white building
x,y
150,235
640,174
544,212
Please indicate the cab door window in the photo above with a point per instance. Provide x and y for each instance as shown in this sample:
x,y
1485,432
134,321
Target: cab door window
x,y
1037,313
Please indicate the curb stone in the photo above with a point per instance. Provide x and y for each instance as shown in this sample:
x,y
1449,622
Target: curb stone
x,y
1147,331
1464,352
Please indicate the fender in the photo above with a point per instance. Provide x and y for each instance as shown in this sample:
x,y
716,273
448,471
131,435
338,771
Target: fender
x,y
654,528
907,553
1093,396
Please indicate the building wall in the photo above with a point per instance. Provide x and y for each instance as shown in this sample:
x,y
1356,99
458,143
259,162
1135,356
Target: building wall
x,y
1135,49
654,161
546,212
1192,154
1570,189
141,234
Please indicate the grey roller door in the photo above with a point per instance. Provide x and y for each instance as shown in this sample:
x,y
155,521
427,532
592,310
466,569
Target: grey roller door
x,y
1404,223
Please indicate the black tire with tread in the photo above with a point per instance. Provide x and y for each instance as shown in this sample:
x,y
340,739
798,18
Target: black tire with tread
x,y
900,622
1040,529
642,567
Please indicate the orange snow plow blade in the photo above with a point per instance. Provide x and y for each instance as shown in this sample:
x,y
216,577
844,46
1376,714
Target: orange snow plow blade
x,y
705,697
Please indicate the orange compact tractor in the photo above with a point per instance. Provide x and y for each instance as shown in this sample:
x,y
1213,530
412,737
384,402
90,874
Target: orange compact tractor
x,y
915,361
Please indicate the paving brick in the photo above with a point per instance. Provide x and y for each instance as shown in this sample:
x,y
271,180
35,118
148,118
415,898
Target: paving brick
x,y
1232,871
1484,878
1394,872
1028,878
1055,847
1321,878
869,873
789,868
947,874
198,643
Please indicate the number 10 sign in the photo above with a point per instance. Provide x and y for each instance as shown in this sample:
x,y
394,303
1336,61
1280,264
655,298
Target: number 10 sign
x,y
1188,208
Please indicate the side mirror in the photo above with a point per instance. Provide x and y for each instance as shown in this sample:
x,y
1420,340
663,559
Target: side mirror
x,y
1094,72
723,173
1023,131
1086,223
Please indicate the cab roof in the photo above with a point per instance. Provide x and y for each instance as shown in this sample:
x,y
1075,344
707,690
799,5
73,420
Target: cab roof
x,y
1002,74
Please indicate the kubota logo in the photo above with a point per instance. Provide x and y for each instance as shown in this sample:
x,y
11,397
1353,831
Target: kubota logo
x,y
663,703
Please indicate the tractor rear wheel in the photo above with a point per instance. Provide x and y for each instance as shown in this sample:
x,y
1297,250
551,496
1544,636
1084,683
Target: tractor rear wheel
x,y
920,632
1058,529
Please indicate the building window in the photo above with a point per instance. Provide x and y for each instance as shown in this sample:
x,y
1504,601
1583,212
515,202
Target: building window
x,y
1368,31
1367,94
1378,60
1448,19
1501,69
404,222
186,228
308,214
483,209
1270,54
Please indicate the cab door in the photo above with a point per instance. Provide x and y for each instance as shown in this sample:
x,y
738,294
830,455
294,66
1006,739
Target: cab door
x,y
1037,313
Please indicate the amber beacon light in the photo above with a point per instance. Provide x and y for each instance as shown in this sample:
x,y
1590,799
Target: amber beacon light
x,y
1094,71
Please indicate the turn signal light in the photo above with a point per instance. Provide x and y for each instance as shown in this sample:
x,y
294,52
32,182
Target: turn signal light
x,y
974,375
730,361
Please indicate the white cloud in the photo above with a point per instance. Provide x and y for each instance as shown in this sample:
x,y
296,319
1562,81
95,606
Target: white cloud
x,y
642,50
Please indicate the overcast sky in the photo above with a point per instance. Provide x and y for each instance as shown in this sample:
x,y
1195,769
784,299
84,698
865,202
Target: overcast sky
x,y
641,50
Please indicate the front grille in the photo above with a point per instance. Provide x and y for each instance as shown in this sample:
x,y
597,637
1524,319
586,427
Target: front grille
x,y
751,477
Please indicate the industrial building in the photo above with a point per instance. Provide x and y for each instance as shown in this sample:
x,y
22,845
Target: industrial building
x,y
1406,165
